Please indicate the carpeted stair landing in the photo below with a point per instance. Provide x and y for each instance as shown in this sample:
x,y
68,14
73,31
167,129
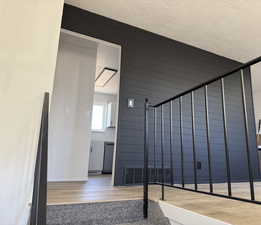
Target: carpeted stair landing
x,y
105,213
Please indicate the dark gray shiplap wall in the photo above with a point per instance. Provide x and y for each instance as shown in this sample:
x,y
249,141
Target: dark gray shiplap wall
x,y
157,68
235,127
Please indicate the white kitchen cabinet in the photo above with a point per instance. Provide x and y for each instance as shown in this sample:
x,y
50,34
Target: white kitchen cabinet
x,y
96,157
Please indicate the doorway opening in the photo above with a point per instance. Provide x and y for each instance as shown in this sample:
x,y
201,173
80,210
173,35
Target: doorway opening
x,y
84,111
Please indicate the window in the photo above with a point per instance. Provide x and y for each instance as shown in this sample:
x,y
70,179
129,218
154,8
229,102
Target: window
x,y
98,118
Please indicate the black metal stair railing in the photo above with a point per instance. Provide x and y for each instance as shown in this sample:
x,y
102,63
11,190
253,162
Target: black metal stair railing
x,y
38,208
159,108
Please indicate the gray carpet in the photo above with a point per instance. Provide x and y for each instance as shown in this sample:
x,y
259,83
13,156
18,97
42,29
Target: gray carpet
x,y
105,213
143,222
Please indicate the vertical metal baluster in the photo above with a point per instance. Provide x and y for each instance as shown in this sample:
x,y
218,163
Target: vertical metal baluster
x,y
162,154
256,154
193,139
225,137
155,136
250,173
146,160
181,142
170,143
208,140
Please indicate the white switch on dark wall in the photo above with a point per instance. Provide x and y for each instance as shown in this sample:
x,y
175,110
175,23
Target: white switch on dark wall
x,y
131,102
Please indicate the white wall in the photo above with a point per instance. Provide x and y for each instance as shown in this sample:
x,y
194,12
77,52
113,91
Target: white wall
x,y
109,133
257,106
70,117
28,42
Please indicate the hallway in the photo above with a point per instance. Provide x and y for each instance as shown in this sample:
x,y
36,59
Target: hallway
x,y
98,188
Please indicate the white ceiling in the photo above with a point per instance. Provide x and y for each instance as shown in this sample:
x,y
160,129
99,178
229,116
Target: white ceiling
x,y
108,56
229,28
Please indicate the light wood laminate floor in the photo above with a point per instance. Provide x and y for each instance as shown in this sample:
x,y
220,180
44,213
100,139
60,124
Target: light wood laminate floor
x,y
99,188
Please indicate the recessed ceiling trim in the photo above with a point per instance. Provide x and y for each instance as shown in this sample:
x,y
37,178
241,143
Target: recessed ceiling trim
x,y
105,76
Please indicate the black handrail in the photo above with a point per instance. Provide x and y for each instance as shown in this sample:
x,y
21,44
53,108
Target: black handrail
x,y
179,101
39,200
250,63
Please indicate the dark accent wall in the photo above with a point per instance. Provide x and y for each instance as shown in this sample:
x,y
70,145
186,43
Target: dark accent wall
x,y
157,68
235,128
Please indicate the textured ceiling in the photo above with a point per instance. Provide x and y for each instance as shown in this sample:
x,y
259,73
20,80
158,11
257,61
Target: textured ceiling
x,y
229,28
108,55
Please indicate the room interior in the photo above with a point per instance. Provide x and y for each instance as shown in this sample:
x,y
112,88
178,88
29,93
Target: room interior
x,y
168,48
105,111
83,117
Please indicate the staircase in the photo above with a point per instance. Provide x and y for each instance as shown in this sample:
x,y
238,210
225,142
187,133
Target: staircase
x,y
105,213
134,211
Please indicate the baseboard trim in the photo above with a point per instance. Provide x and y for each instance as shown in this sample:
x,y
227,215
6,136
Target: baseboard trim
x,y
25,218
182,216
68,180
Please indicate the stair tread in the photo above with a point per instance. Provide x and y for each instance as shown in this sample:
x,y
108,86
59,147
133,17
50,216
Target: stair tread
x,y
107,213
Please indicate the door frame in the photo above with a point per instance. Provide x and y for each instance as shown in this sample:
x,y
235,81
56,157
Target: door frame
x,y
119,47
